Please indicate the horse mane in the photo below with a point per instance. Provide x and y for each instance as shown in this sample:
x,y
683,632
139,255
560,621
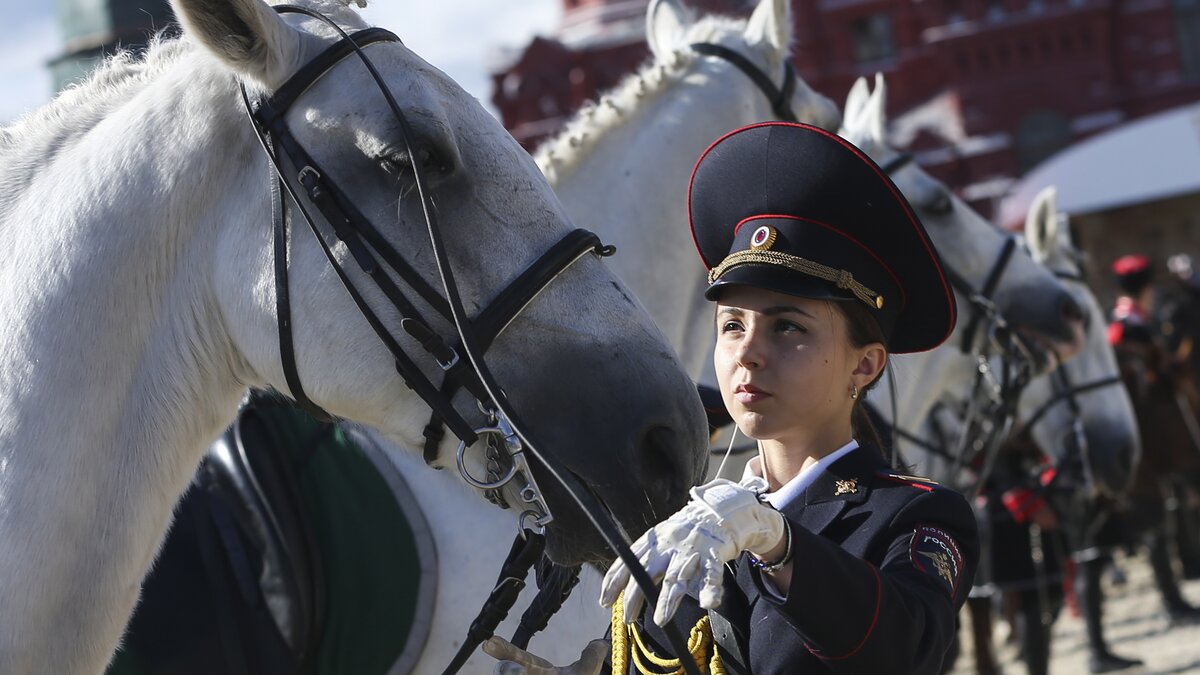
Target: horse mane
x,y
35,139
82,105
563,151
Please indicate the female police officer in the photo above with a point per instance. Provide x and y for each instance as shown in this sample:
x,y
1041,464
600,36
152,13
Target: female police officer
x,y
821,560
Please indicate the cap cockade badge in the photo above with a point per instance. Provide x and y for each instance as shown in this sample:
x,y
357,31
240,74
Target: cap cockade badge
x,y
844,487
763,238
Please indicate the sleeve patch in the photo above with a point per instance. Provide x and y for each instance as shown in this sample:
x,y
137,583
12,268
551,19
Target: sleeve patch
x,y
935,553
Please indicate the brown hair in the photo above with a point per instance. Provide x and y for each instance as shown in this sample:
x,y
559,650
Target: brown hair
x,y
862,329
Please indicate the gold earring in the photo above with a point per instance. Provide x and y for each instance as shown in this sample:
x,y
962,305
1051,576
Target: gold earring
x,y
853,391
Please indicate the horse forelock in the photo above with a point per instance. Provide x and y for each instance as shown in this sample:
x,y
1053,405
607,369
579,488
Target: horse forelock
x,y
563,151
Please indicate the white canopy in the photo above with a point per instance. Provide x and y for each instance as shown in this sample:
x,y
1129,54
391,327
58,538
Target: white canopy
x,y
1149,159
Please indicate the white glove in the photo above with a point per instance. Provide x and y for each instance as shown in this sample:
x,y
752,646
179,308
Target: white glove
x,y
688,550
517,661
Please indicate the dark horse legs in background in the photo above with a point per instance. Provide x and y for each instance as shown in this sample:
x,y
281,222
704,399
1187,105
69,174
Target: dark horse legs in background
x,y
1183,519
1157,387
1166,400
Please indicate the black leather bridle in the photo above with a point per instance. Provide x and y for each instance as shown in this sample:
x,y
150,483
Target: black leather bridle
x,y
780,97
991,408
310,185
1067,391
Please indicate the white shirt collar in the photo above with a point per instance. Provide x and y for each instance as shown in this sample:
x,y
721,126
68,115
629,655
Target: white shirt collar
x,y
798,484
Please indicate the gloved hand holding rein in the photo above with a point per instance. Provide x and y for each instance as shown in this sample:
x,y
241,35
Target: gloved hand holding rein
x,y
688,551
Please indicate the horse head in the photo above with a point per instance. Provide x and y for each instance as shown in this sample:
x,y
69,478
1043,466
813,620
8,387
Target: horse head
x,y
1083,413
676,37
596,384
622,164
1038,307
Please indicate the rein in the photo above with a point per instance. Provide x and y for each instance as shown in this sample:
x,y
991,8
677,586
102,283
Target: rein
x,y
355,232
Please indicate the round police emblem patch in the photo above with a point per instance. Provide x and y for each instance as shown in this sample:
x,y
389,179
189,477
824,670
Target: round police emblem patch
x,y
763,237
935,553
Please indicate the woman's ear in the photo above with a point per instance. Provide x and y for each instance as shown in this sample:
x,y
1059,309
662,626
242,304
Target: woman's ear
x,y
871,360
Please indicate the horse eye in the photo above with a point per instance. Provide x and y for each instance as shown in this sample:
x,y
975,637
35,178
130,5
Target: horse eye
x,y
399,163
390,166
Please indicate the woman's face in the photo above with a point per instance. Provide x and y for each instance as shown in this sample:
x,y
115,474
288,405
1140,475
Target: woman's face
x,y
785,366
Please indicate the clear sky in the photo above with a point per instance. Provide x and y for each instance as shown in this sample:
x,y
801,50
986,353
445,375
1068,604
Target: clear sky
x,y
458,36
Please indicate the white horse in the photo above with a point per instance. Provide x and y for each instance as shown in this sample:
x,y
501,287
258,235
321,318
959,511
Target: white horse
x,y
622,166
1081,412
138,305
1110,441
1031,300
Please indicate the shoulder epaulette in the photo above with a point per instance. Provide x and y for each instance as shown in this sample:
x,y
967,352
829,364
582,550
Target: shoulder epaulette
x,y
919,482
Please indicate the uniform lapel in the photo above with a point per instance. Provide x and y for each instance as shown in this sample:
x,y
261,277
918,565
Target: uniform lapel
x,y
847,481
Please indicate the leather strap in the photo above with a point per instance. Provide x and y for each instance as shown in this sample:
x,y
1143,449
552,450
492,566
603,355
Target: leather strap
x,y
780,98
283,305
986,292
277,105
729,641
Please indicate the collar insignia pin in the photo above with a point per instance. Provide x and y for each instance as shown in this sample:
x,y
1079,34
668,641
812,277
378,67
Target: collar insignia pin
x,y
842,487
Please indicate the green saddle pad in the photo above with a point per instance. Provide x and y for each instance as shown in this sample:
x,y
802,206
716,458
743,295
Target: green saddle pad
x,y
376,548
376,552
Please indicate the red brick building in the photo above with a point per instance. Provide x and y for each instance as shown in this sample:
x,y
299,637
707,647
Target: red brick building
x,y
982,90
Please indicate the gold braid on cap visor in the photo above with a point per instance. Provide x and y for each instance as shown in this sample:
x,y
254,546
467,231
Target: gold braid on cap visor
x,y
841,278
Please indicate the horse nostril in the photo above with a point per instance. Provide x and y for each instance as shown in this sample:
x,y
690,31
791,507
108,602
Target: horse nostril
x,y
659,468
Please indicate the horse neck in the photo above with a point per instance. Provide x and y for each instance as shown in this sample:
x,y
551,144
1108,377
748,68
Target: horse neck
x,y
630,185
115,372
921,381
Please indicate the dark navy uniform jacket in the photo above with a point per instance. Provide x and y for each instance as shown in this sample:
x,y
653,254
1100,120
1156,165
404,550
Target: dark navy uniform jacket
x,y
882,564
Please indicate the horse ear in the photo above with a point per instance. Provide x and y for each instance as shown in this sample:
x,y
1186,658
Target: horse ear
x,y
247,35
874,111
667,22
1041,223
771,23
856,102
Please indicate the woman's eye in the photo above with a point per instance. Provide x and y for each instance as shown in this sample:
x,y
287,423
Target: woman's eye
x,y
730,326
788,326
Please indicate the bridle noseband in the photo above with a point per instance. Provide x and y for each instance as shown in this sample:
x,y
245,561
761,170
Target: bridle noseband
x,y
311,186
